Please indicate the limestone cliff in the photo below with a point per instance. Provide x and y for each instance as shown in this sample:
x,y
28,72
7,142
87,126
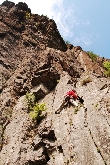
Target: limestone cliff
x,y
34,58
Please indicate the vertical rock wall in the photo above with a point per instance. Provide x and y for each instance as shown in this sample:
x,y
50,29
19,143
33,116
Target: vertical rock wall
x,y
69,137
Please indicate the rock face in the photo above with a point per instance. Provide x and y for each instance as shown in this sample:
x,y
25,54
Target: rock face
x,y
34,58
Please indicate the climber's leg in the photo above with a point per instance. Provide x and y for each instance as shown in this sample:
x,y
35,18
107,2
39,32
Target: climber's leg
x,y
73,102
61,107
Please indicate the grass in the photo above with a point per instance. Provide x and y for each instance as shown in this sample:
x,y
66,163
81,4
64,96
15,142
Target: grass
x,y
106,65
92,55
7,113
97,107
58,81
28,15
76,110
85,81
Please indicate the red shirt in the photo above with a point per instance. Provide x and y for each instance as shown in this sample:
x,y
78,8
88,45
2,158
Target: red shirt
x,y
72,94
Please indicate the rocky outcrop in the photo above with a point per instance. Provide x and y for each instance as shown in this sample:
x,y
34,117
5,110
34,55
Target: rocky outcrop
x,y
23,33
35,59
65,138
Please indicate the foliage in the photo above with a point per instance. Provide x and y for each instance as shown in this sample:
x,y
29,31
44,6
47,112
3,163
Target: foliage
x,y
76,110
58,81
37,23
34,107
67,42
107,73
92,55
87,80
28,15
97,105
7,113
30,99
36,111
46,16
106,65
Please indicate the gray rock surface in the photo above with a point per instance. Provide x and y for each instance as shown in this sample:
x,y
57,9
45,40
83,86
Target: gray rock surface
x,y
35,58
65,138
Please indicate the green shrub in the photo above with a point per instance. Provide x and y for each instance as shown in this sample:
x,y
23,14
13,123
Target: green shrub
x,y
106,65
107,73
30,99
92,55
36,111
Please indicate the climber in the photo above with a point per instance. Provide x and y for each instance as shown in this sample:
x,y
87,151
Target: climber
x,y
70,98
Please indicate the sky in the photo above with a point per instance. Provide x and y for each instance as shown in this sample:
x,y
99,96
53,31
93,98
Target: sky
x,y
84,23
